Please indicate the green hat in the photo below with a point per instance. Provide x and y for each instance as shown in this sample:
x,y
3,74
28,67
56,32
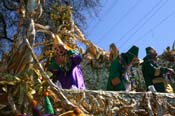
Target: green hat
x,y
148,50
131,53
134,50
48,106
72,52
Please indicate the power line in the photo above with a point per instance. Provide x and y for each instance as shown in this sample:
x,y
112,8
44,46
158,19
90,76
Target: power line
x,y
109,9
146,21
154,27
147,14
121,19
107,12
97,16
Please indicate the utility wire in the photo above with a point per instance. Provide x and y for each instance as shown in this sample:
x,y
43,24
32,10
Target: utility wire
x,y
90,23
107,12
154,27
121,19
132,28
145,22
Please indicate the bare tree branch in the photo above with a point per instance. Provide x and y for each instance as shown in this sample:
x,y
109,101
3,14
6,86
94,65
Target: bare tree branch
x,y
11,5
2,19
6,38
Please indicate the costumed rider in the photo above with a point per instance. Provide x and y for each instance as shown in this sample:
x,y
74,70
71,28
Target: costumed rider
x,y
153,74
118,79
65,66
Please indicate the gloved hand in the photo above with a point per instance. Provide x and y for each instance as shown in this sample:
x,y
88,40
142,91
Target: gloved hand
x,y
171,71
163,70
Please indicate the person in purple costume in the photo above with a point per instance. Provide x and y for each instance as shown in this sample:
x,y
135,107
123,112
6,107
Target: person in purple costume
x,y
65,66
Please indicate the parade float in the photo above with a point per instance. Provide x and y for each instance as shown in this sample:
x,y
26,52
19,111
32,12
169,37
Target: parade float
x,y
24,75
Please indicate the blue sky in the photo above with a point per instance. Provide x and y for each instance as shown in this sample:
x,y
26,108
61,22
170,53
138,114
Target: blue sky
x,y
134,22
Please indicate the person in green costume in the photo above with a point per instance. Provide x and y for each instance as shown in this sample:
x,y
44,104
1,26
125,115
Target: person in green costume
x,y
152,72
66,69
118,69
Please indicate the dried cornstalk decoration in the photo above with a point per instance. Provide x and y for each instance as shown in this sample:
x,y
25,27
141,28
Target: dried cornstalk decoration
x,y
21,70
29,77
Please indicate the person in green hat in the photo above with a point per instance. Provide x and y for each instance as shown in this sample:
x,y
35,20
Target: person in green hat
x,y
118,80
66,69
152,72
